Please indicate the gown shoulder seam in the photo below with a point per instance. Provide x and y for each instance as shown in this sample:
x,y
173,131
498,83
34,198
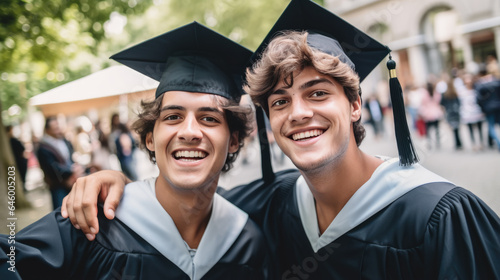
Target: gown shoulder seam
x,y
445,204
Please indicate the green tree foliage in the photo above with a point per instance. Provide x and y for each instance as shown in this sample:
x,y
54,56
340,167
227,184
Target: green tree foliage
x,y
40,39
49,30
246,22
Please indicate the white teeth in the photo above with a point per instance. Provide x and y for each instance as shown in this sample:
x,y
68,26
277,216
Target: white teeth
x,y
307,134
190,154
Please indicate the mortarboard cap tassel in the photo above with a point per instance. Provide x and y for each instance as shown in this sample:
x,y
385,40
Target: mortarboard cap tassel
x,y
406,150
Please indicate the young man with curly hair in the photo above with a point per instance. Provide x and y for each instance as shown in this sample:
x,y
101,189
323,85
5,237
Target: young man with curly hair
x,y
173,226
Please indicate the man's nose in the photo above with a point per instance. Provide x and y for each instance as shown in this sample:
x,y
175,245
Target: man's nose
x,y
301,111
190,130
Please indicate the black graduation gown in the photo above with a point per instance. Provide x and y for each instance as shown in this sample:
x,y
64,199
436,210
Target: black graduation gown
x,y
435,231
52,248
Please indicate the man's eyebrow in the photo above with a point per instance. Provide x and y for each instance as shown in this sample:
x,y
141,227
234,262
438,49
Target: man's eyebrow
x,y
201,109
173,107
315,82
210,109
278,91
306,85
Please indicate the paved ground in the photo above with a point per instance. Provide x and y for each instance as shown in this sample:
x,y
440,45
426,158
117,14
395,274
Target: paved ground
x,y
478,171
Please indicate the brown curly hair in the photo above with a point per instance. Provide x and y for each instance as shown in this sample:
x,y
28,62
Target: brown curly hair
x,y
237,117
289,53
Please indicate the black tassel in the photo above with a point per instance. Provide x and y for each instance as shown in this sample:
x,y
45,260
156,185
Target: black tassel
x,y
265,152
407,153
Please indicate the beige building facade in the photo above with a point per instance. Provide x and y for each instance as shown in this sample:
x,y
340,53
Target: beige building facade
x,y
426,36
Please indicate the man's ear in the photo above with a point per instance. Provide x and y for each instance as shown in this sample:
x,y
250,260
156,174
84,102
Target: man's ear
x,y
234,143
150,142
356,110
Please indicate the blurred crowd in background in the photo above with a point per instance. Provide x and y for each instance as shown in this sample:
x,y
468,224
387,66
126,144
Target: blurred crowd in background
x,y
67,151
458,100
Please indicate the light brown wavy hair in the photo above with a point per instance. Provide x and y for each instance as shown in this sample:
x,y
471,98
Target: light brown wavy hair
x,y
238,119
289,53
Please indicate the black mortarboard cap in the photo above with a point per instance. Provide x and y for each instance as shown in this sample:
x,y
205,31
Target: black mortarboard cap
x,y
332,35
190,58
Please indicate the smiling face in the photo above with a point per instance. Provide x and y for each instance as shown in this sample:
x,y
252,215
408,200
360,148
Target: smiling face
x,y
312,119
191,140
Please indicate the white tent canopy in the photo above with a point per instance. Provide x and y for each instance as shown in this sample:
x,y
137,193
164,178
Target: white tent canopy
x,y
115,80
94,90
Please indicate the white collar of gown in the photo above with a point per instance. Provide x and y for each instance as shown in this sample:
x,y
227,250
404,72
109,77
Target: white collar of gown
x,y
389,182
140,211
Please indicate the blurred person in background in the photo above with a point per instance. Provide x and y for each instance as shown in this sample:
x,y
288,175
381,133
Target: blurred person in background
x,y
122,144
125,147
83,147
470,112
451,104
54,154
488,98
442,83
431,112
414,100
113,133
19,152
100,147
492,66
458,82
376,115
